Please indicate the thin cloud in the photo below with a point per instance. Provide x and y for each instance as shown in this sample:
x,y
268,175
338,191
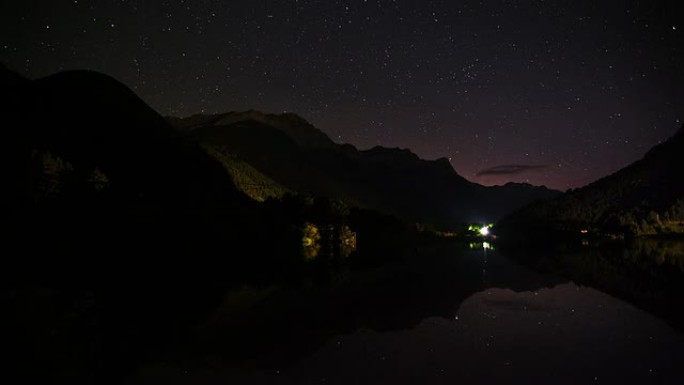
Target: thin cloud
x,y
510,169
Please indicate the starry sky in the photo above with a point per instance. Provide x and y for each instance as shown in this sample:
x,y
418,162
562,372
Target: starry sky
x,y
549,92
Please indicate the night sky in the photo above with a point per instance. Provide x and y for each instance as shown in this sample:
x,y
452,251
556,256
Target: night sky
x,y
550,92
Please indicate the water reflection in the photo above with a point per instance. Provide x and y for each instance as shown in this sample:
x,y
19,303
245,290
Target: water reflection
x,y
334,240
660,251
567,334
648,273
467,315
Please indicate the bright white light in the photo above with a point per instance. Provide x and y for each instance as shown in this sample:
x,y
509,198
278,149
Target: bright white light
x,y
484,231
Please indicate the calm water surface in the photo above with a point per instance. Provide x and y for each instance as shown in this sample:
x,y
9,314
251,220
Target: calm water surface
x,y
474,317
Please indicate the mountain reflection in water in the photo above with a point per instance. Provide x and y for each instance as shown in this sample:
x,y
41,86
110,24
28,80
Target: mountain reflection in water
x,y
474,317
567,334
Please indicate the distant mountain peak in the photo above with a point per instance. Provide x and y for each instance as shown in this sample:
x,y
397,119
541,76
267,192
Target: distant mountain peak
x,y
297,128
292,152
394,151
444,162
406,156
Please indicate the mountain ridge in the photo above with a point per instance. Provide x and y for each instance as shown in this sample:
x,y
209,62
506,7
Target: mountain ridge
x,y
392,180
644,198
300,130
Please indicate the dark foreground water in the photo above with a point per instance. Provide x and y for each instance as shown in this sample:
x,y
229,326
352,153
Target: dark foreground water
x,y
462,316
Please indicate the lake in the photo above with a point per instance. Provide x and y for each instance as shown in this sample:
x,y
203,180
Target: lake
x,y
464,314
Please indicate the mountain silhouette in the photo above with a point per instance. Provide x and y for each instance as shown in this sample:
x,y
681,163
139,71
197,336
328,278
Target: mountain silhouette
x,y
118,233
298,156
95,124
644,198
122,231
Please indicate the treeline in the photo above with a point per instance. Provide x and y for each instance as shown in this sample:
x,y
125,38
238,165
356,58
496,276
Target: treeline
x,y
120,236
645,198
